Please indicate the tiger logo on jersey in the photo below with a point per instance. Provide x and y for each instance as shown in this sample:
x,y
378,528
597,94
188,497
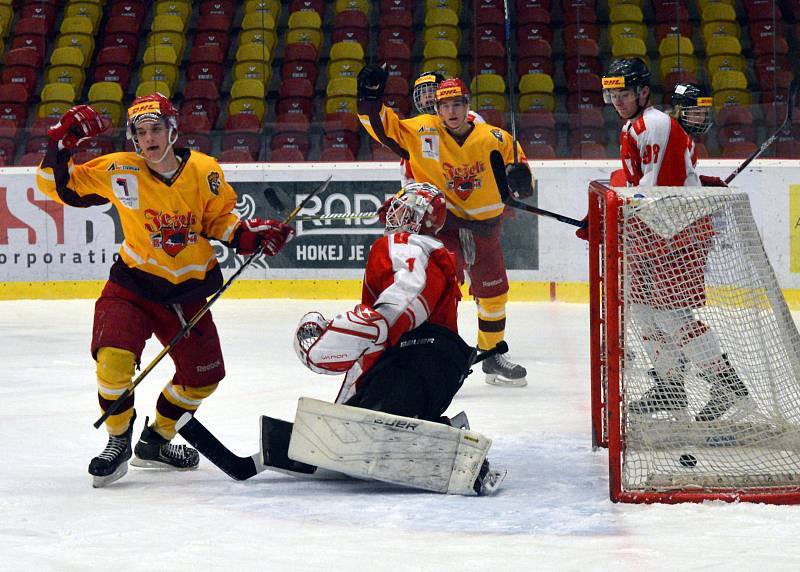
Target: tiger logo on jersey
x,y
463,180
214,182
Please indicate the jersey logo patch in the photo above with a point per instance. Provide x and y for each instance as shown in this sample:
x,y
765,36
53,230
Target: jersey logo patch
x,y
498,134
463,180
214,182
430,147
126,189
170,232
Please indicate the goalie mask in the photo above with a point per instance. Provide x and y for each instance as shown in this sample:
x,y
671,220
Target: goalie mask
x,y
308,331
692,108
152,109
419,208
424,94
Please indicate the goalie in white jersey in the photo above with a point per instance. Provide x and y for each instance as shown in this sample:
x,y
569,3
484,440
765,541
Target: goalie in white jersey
x,y
667,272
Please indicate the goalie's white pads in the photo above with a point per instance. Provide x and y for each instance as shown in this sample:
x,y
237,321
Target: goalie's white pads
x,y
333,347
401,450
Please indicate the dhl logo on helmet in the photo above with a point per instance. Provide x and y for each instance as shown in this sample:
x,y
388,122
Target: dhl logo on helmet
x,y
705,101
454,91
614,82
146,107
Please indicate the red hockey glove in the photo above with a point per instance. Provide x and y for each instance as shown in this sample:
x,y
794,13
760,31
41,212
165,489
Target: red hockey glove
x,y
271,235
707,181
78,124
583,230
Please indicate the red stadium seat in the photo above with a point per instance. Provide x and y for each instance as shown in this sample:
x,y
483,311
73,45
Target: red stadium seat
x,y
395,36
43,11
296,95
762,11
13,104
537,135
291,123
733,115
213,38
30,159
342,140
578,11
297,141
491,59
590,117
224,8
494,117
315,5
188,123
584,91
587,135
738,150
673,28
381,153
396,18
122,31
540,152
341,121
530,32
396,86
22,68
350,19
489,14
201,98
573,34
113,73
135,10
114,55
214,23
245,122
243,132
30,32
532,14
582,64
196,142
299,106
589,150
670,12
97,146
400,103
536,119
337,155
389,6
300,70
287,155
300,52
351,35
492,33
235,156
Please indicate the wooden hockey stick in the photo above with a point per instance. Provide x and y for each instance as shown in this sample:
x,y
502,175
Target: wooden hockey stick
x,y
790,100
499,171
117,403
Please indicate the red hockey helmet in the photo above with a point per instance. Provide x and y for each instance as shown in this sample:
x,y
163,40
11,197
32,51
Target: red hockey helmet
x,y
418,208
149,108
452,88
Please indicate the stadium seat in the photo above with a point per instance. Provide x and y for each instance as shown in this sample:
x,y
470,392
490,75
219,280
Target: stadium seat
x,y
673,28
770,45
296,89
259,28
490,12
528,33
341,140
66,66
106,98
77,32
14,104
206,63
627,30
535,56
579,64
442,24
44,11
30,33
454,5
540,151
381,153
584,91
390,37
223,8
491,59
178,8
201,98
336,155
586,118
398,62
442,56
213,38
389,18
97,146
56,99
201,142
396,86
494,117
188,123
150,87
495,33
488,93
247,96
733,116
297,141
89,10
346,59
400,103
21,68
168,30
30,159
341,95
675,45
536,93
235,156
589,150
286,155
579,12
724,53
351,26
243,133
159,65
531,13
342,5
216,23
738,150
625,13
122,31
675,64
392,6
253,62
629,48
305,27
271,6
730,88
341,122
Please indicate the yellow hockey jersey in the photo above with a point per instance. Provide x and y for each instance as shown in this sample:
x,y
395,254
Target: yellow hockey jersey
x,y
166,223
462,171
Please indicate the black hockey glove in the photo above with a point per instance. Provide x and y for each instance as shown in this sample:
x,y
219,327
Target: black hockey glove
x,y
520,180
372,82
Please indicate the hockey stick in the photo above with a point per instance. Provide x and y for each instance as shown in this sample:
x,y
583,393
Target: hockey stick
x,y
509,76
790,99
338,216
117,403
499,170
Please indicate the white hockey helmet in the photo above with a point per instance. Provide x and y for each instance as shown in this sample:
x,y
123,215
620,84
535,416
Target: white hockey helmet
x,y
309,329
419,208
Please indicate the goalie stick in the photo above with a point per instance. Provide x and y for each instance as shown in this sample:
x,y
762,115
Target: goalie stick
x,y
790,100
243,468
499,171
117,403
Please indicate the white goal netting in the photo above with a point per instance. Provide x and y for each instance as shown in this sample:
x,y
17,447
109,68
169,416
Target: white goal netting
x,y
710,355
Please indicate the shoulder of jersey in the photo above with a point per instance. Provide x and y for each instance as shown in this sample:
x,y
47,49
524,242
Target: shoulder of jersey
x,y
425,242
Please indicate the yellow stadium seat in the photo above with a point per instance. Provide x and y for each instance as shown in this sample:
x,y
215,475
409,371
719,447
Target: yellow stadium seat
x,y
361,5
488,83
305,36
612,3
346,51
454,5
106,98
718,12
158,54
265,21
66,66
720,28
627,30
344,68
701,4
82,42
728,80
732,98
175,40
273,7
440,17
57,98
168,23
161,72
674,45
253,63
537,101
150,87
723,45
305,19
672,64
247,96
494,101
535,83
268,38
341,104
724,53
6,15
439,33
89,10
725,62
77,25
626,13
182,10
448,67
341,92
442,49
629,47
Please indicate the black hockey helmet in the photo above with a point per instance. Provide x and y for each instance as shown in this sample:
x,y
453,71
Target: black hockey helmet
x,y
625,73
692,108
424,94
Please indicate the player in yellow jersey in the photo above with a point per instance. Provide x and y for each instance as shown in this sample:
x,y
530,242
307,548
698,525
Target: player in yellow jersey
x,y
453,153
170,203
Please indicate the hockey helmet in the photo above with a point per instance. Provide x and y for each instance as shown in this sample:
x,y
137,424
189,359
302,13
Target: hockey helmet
x,y
692,108
424,94
150,108
419,208
311,327
450,88
625,73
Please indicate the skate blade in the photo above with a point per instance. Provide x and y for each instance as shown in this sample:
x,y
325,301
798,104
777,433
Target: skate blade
x,y
99,482
492,481
494,379
152,464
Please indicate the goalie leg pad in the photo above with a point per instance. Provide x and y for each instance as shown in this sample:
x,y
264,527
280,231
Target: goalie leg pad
x,y
402,450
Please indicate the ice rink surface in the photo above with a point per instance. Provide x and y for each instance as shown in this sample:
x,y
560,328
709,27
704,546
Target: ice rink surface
x,y
552,513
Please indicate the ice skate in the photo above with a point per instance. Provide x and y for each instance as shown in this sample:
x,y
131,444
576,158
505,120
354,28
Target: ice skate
x,y
489,479
112,464
155,452
501,372
663,396
726,391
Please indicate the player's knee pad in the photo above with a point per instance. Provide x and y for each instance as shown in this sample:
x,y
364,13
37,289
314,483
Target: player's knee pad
x,y
115,367
702,346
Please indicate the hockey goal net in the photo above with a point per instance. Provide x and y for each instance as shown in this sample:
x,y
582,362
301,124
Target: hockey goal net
x,y
695,356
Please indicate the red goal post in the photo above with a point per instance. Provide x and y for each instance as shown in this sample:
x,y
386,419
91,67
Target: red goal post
x,y
742,337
